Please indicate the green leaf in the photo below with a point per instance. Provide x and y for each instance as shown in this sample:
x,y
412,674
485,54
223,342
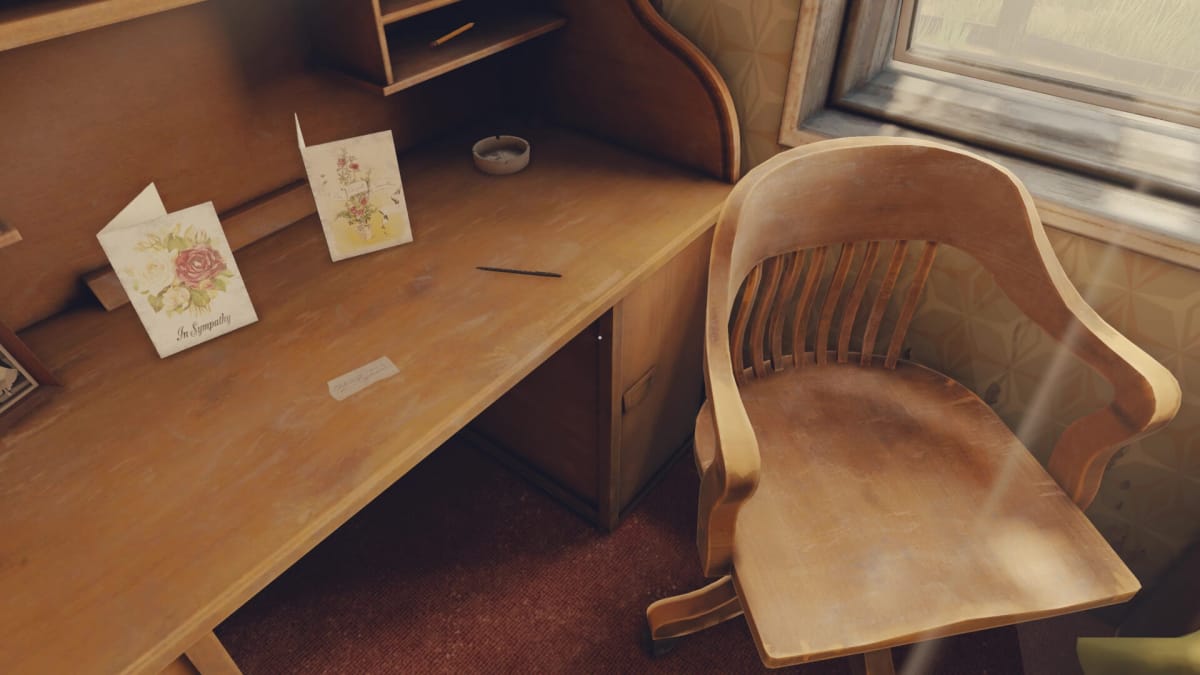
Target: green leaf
x,y
156,302
150,243
176,243
200,298
218,283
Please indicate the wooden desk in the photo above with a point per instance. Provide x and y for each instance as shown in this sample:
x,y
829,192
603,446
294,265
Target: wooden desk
x,y
147,500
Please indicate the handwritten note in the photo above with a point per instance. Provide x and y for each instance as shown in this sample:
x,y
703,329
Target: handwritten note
x,y
345,386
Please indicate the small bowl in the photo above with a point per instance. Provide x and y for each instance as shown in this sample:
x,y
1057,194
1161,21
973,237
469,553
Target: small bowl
x,y
501,155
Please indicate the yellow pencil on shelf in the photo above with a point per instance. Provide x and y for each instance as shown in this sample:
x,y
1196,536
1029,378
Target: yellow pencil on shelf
x,y
453,34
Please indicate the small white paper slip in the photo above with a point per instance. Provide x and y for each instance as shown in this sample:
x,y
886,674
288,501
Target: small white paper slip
x,y
178,271
345,386
360,199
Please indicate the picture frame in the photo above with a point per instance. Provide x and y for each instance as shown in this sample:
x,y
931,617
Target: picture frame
x,y
21,373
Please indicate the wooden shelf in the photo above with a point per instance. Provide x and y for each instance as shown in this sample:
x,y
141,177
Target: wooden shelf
x,y
391,11
414,61
31,21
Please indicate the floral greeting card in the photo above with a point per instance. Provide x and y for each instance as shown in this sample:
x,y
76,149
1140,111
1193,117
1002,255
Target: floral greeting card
x,y
178,271
360,200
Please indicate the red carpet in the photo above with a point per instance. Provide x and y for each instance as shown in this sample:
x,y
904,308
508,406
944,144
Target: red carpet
x,y
462,567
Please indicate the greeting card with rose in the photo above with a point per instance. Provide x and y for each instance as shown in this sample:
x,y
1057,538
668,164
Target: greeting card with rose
x,y
178,271
359,196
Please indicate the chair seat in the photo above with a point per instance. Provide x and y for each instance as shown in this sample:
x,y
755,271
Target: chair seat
x,y
894,506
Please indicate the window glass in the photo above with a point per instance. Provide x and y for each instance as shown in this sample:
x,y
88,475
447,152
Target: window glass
x,y
1146,50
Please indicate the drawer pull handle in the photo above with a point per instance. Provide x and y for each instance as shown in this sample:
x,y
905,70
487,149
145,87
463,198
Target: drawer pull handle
x,y
636,393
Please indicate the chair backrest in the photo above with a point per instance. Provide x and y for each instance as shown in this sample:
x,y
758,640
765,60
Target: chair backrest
x,y
867,194
872,196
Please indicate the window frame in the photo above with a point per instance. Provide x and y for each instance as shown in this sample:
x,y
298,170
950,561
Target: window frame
x,y
1107,174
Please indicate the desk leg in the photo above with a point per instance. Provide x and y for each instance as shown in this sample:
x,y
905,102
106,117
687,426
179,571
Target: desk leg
x,y
206,657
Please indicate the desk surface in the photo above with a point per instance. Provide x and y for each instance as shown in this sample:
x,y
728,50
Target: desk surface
x,y
147,500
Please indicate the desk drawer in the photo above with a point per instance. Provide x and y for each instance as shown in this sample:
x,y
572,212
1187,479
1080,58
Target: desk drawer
x,y
660,368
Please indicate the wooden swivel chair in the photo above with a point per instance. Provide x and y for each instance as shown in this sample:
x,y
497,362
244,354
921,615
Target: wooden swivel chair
x,y
852,501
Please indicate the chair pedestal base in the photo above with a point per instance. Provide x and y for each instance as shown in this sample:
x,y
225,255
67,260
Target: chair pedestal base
x,y
681,615
671,618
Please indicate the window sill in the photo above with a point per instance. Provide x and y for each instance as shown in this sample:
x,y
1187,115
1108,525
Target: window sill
x,y
1148,224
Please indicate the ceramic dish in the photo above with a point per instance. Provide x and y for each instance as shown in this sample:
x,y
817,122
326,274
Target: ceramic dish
x,y
501,155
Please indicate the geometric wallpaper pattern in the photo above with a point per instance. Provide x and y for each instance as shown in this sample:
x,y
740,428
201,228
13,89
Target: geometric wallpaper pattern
x,y
750,42
1149,503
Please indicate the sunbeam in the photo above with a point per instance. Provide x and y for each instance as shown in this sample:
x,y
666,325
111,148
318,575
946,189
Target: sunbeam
x,y
1035,417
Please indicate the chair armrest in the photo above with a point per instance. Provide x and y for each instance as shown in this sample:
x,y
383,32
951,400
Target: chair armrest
x,y
733,475
1146,396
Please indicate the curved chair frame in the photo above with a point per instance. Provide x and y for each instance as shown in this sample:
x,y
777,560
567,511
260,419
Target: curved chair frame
x,y
860,192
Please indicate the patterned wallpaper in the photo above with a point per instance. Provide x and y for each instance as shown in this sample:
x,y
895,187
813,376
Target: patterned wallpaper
x,y
750,41
1149,503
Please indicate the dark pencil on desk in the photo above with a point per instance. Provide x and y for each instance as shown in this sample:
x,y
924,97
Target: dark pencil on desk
x,y
532,273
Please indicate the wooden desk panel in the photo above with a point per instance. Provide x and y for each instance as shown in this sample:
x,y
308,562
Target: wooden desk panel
x,y
148,499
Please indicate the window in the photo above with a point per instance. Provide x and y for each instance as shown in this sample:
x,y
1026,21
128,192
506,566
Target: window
x,y
1141,56
1093,103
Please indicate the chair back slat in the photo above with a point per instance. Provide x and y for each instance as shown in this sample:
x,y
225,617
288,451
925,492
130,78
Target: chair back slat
x,y
764,307
910,304
850,313
832,297
738,333
784,303
882,297
800,321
